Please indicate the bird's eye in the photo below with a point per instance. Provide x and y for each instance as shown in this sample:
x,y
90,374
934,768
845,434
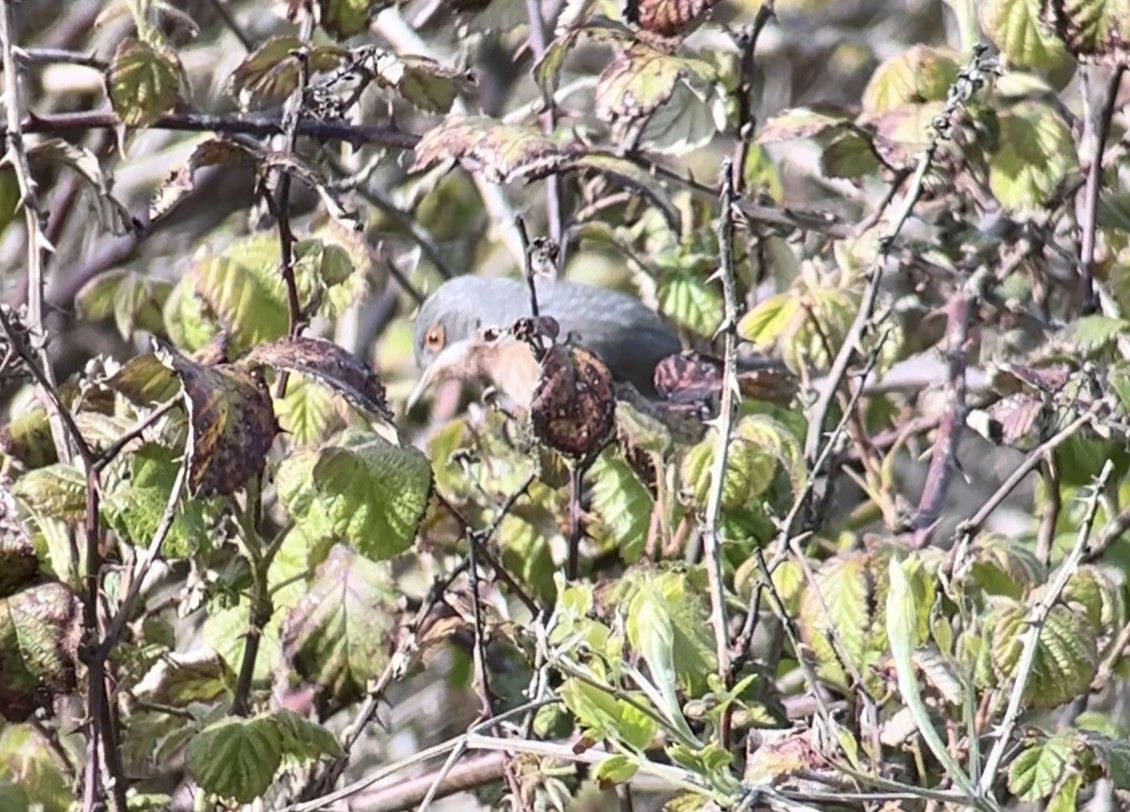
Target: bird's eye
x,y
433,339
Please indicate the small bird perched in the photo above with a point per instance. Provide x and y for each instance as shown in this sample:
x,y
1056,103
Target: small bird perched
x,y
456,334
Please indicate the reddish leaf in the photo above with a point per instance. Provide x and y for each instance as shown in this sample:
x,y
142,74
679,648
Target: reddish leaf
x,y
668,18
328,364
233,424
502,152
692,377
574,405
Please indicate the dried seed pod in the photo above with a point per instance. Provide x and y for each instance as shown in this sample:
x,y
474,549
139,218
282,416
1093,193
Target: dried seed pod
x,y
573,409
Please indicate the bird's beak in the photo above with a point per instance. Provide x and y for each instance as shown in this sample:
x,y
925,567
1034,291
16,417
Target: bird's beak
x,y
442,367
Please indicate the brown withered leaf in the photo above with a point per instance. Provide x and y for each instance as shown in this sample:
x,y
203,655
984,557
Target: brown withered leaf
x,y
1046,379
232,421
40,627
574,405
502,152
213,152
328,364
668,18
1013,418
1091,31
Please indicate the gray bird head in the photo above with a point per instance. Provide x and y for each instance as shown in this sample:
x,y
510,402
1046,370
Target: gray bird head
x,y
629,337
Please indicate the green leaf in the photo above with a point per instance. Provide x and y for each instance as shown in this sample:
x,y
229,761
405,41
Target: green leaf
x,y
622,504
55,492
180,678
135,507
308,413
693,644
225,630
608,717
673,98
920,74
1034,774
852,589
236,758
751,463
770,319
28,762
1113,756
344,18
40,628
1094,333
144,82
1066,655
903,622
849,157
617,769
360,488
1065,798
422,82
1036,153
1093,30
691,301
1015,27
271,73
13,797
527,554
301,738
132,299
238,290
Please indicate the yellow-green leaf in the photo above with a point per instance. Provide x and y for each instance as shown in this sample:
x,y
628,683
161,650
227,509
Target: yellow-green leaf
x,y
144,82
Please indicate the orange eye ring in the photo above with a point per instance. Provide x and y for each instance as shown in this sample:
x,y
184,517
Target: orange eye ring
x,y
434,338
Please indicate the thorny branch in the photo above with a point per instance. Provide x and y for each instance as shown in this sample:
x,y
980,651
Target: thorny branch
x,y
943,461
34,221
1089,216
724,426
1036,619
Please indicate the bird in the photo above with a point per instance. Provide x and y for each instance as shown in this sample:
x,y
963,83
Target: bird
x,y
460,333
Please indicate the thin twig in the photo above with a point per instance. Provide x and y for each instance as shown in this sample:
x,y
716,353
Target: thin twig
x,y
233,26
137,581
257,126
943,461
1111,532
746,41
970,527
554,205
1106,668
59,56
280,201
970,80
727,412
37,245
528,249
1089,216
1053,503
1036,619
